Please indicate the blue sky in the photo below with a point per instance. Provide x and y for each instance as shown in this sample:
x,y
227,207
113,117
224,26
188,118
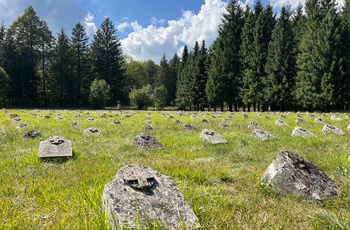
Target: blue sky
x,y
147,29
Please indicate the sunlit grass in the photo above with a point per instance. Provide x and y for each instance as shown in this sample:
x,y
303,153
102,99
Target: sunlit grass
x,y
222,183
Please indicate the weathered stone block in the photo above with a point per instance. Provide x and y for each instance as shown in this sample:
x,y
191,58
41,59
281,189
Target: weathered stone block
x,y
292,174
262,135
327,129
55,147
212,137
147,142
92,132
139,195
301,132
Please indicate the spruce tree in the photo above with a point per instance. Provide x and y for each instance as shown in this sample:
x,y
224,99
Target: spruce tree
x,y
280,63
80,48
108,60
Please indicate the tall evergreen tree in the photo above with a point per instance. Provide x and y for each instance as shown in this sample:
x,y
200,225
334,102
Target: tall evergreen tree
x,y
280,63
319,82
174,65
62,71
25,35
230,35
108,60
80,48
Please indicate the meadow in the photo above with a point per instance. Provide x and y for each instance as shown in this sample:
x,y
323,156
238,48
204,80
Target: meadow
x,y
222,183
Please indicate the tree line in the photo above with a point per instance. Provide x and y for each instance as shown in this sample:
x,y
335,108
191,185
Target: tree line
x,y
296,60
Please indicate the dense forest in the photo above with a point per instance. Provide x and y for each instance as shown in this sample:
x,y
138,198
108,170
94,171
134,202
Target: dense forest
x,y
292,59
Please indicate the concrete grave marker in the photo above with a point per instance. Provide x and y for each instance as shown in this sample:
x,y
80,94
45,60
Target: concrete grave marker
x,y
280,123
21,126
223,125
189,127
139,195
327,129
92,132
335,117
300,121
115,122
212,137
320,121
75,123
262,135
292,174
301,132
146,142
55,147
31,134
147,128
254,125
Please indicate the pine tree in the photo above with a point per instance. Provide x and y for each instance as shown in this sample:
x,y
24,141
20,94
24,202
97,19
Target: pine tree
x,y
174,65
108,60
280,63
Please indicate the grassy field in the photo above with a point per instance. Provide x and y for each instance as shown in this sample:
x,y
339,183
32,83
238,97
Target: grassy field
x,y
221,183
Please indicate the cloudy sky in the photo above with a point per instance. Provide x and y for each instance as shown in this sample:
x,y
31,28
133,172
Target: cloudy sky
x,y
147,29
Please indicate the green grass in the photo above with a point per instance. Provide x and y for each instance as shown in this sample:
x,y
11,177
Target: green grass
x,y
221,183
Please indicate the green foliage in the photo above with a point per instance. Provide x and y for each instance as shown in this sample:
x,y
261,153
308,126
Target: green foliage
x,y
221,183
141,98
160,96
108,60
4,82
99,94
280,63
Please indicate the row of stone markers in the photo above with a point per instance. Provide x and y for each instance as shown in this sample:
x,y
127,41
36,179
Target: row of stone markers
x,y
140,195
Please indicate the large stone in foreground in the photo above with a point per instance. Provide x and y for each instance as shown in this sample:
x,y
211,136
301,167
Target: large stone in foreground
x,y
55,147
262,135
140,195
292,174
301,132
212,137
147,142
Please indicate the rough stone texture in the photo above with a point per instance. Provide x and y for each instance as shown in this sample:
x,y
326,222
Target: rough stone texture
x,y
138,195
75,123
254,125
115,122
55,147
16,119
21,126
92,131
320,121
90,119
147,128
245,116
327,129
335,117
300,121
147,142
212,137
223,125
177,122
310,114
262,135
280,123
189,127
301,132
292,174
32,134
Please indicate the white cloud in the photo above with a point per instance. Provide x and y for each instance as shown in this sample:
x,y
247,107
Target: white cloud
x,y
151,42
57,13
90,25
294,4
